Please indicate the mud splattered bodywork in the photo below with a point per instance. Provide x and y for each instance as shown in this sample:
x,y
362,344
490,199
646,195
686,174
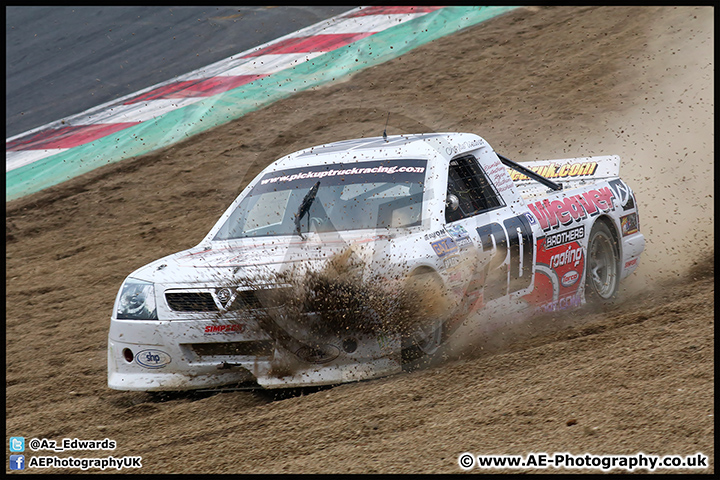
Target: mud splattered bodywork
x,y
357,259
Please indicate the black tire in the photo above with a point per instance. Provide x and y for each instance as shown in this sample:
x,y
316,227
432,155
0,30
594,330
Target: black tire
x,y
421,344
601,268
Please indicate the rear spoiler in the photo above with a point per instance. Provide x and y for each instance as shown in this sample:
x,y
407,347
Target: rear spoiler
x,y
551,172
528,173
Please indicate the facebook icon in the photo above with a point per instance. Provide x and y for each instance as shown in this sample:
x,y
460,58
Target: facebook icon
x,y
17,462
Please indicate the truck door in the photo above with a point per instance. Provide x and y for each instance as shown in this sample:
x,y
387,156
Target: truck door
x,y
504,240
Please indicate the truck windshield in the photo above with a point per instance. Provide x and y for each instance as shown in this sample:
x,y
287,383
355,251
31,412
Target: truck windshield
x,y
335,197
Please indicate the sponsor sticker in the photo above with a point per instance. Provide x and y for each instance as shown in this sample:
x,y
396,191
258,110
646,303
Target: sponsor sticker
x,y
228,328
567,170
364,171
564,303
451,261
437,234
318,354
623,194
570,256
152,358
557,212
566,236
558,275
457,231
463,243
444,246
460,236
569,278
629,224
630,263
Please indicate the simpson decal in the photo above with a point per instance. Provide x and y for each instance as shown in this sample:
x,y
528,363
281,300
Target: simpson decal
x,y
631,263
230,328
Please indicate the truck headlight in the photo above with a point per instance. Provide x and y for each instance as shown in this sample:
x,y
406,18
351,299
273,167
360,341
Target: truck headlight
x,y
136,301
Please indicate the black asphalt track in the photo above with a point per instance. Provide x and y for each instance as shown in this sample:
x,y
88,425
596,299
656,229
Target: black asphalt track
x,y
61,61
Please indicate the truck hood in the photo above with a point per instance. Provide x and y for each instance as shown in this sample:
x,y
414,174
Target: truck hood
x,y
258,258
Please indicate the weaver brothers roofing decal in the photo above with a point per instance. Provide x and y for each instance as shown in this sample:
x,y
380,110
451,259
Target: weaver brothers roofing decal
x,y
553,214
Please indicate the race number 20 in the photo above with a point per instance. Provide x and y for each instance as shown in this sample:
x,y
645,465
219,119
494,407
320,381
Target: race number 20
x,y
510,267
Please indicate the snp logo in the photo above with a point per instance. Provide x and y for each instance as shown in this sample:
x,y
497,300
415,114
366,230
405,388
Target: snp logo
x,y
152,358
17,462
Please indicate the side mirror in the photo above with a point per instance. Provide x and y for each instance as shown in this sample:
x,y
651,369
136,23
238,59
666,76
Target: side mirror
x,y
452,202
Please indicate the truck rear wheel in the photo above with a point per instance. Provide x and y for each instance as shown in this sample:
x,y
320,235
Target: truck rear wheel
x,y
601,270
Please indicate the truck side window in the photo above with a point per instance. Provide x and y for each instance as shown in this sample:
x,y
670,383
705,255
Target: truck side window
x,y
475,192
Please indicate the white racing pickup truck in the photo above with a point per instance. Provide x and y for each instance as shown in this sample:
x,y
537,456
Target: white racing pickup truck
x,y
361,258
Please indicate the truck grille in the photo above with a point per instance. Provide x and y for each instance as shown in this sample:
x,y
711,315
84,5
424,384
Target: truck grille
x,y
256,348
245,299
191,301
207,301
